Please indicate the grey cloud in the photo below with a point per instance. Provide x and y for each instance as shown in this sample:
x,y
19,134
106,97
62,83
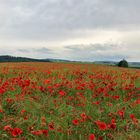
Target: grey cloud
x,y
107,51
23,50
58,19
25,21
36,50
92,47
81,52
44,50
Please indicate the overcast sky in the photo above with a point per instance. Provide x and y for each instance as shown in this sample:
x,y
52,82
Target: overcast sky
x,y
86,30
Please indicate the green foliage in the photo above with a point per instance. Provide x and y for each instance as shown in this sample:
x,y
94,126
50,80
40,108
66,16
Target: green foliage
x,y
123,63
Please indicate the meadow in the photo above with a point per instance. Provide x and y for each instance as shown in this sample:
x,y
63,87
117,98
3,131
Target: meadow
x,y
69,101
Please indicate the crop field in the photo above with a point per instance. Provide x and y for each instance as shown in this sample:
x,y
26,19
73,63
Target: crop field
x,y
69,101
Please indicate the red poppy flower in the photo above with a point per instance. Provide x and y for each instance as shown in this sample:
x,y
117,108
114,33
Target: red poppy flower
x,y
137,101
59,129
75,122
38,132
45,132
25,117
51,126
132,116
83,115
116,97
23,111
91,137
101,125
121,113
100,138
112,126
97,103
47,81
110,136
16,132
62,93
1,90
49,87
8,128
9,100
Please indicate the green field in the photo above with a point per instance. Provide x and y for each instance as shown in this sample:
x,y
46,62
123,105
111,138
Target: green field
x,y
69,101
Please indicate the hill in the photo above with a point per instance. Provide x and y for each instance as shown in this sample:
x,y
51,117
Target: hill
x,y
131,64
7,58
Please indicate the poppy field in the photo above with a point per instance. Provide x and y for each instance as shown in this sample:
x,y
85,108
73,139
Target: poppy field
x,y
68,101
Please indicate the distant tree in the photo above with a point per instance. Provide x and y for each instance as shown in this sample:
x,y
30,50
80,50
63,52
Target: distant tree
x,y
123,63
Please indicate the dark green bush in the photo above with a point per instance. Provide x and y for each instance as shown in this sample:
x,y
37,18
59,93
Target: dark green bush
x,y
123,63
